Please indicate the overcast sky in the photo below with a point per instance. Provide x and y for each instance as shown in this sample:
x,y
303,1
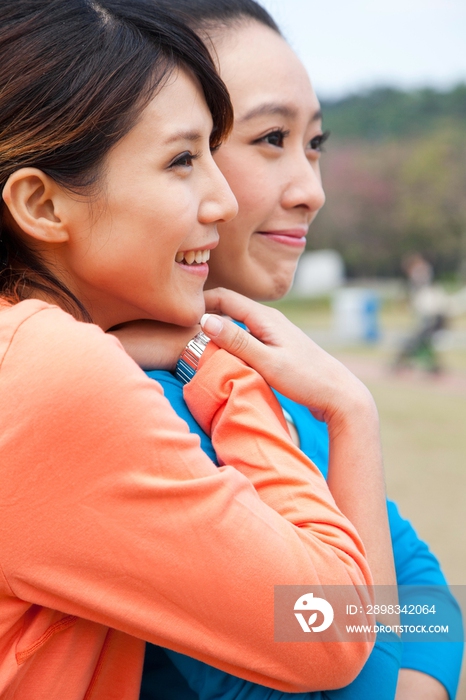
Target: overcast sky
x,y
347,45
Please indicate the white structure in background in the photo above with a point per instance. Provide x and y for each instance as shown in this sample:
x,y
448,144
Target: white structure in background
x,y
319,272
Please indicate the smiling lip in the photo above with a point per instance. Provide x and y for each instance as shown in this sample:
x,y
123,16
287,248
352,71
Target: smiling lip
x,y
198,269
294,237
201,269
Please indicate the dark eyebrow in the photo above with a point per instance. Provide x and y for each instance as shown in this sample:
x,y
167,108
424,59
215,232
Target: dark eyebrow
x,y
184,136
272,108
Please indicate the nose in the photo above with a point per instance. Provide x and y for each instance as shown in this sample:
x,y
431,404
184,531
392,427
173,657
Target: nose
x,y
303,186
219,204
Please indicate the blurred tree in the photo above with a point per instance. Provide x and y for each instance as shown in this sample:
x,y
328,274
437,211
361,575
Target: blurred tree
x,y
395,178
433,201
384,112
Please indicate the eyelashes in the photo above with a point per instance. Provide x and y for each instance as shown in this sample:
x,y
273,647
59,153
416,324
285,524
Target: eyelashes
x,y
184,160
277,138
318,141
274,138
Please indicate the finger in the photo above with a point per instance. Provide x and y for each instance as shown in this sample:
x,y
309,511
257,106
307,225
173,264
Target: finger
x,y
254,315
229,336
227,302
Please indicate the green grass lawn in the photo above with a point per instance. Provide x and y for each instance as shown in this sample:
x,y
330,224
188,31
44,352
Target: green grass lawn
x,y
423,425
424,446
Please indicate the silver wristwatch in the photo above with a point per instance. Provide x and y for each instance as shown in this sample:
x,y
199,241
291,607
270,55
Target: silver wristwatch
x,y
187,365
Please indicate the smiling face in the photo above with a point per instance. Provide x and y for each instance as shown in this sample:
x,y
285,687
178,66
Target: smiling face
x,y
271,162
139,249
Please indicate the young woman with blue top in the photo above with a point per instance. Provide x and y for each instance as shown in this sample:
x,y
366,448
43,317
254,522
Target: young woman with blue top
x,y
271,163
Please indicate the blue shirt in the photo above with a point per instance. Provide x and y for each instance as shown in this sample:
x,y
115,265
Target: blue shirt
x,y
171,675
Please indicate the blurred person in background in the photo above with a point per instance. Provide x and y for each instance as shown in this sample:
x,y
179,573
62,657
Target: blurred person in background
x,y
430,306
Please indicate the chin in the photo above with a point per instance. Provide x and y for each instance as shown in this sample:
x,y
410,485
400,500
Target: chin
x,y
281,283
184,309
190,318
270,280
281,290
273,290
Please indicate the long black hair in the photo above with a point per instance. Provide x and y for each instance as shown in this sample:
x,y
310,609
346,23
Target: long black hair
x,y
74,77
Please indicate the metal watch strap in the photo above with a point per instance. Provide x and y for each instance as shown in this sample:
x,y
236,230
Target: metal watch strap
x,y
187,365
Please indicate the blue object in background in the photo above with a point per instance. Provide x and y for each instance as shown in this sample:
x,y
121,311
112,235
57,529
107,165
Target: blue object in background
x,y
371,317
356,314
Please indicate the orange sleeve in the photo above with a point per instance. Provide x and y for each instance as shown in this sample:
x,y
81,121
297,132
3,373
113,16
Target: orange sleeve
x,y
111,512
234,405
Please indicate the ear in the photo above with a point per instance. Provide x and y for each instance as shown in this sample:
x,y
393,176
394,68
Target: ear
x,y
35,202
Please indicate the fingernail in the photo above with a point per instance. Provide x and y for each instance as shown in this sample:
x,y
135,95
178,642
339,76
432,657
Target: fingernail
x,y
211,324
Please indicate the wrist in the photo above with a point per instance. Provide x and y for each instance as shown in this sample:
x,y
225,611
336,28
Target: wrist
x,y
356,410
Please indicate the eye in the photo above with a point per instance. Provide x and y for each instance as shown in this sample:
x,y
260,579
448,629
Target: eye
x,y
318,141
274,138
184,160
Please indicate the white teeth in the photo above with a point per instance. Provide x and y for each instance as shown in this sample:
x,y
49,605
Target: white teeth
x,y
191,256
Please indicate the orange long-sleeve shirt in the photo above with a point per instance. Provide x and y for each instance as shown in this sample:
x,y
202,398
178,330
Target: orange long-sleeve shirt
x,y
115,528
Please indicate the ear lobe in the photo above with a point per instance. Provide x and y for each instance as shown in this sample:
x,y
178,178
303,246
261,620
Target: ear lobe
x,y
33,198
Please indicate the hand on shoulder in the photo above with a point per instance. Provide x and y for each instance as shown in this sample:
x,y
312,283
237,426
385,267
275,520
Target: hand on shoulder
x,y
285,356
